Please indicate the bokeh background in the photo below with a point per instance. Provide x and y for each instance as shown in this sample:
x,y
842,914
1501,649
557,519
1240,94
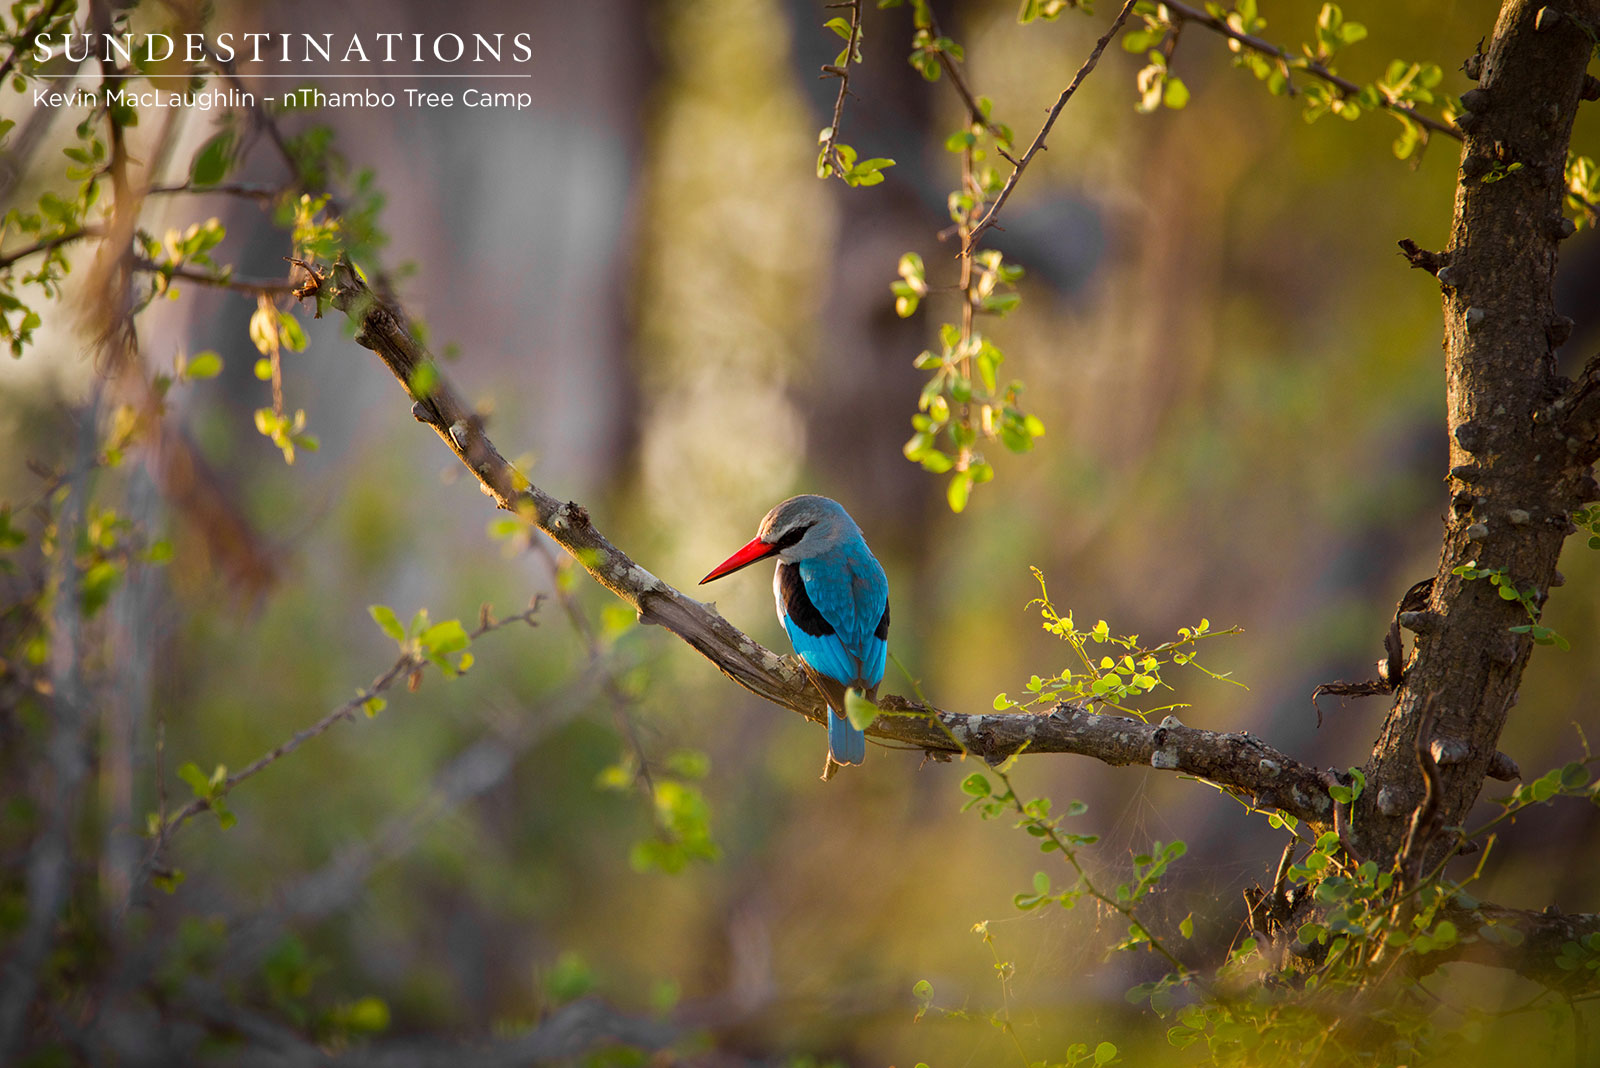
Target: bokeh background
x,y
678,325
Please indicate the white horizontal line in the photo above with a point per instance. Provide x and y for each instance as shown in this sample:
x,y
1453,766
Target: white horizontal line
x,y
307,77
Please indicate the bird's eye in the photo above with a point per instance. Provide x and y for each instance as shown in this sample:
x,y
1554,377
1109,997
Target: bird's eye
x,y
792,538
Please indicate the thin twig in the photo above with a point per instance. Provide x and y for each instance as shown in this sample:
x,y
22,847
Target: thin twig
x,y
959,81
1044,131
408,662
1185,13
249,286
620,701
830,149
25,38
232,189
45,244
1113,903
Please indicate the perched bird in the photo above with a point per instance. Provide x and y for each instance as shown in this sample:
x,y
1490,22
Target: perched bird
x,y
833,600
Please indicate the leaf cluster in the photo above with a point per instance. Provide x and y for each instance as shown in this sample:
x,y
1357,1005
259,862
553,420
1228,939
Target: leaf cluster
x,y
1125,672
1528,597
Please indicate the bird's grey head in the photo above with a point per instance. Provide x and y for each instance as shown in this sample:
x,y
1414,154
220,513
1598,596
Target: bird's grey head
x,y
798,529
806,526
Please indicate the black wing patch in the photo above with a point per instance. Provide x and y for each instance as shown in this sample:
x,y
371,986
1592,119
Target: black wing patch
x,y
883,624
797,605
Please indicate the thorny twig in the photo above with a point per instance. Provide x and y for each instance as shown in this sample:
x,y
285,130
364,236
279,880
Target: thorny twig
x,y
830,143
1044,131
959,81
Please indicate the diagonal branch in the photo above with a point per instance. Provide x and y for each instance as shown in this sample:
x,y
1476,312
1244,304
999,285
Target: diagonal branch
x,y
1184,13
46,244
1236,761
409,662
1044,131
29,33
1180,14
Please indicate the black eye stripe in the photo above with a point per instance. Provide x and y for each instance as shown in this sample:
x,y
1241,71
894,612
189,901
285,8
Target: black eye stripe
x,y
792,538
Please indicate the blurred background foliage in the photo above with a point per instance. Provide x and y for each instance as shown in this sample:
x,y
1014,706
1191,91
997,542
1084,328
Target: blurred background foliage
x,y
655,299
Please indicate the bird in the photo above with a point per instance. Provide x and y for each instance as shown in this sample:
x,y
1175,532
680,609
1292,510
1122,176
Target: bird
x,y
833,602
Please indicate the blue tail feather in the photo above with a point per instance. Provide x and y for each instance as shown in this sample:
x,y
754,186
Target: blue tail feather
x,y
846,741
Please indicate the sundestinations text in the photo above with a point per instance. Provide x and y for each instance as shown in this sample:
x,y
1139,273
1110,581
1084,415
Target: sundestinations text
x,y
286,47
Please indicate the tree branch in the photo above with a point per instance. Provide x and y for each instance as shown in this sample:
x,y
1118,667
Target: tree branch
x,y
830,144
1181,14
1044,131
1236,761
248,286
232,189
1535,953
409,661
29,32
47,243
1185,13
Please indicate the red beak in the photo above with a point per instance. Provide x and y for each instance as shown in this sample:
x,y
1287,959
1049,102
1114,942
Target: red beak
x,y
756,550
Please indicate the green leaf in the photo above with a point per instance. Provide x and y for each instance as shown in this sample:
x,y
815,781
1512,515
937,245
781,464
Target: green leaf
x,y
204,365
977,785
289,332
198,781
448,636
959,490
838,26
387,621
212,161
569,978
688,763
367,1015
860,711
923,992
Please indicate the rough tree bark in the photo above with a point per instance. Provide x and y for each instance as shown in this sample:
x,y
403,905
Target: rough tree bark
x,y
1518,467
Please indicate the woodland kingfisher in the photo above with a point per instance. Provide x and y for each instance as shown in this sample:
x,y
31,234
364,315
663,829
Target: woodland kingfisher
x,y
833,601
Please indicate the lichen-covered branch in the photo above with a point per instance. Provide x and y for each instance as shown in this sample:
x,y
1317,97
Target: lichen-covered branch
x,y
1236,761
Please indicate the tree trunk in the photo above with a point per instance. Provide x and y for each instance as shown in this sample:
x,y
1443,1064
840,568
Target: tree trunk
x,y
1517,470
